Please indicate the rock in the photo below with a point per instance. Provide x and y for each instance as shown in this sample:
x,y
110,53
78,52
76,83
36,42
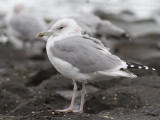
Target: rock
x,y
57,82
8,101
152,110
13,81
40,76
38,103
136,51
105,84
130,93
67,94
112,98
127,114
147,81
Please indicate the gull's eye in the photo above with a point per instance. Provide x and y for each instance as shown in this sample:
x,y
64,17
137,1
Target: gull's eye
x,y
61,27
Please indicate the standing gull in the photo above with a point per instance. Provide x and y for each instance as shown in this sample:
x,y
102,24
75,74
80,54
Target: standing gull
x,y
81,58
23,26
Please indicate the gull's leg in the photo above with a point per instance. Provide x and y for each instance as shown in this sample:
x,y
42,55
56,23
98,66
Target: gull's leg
x,y
74,95
31,47
25,48
71,107
83,92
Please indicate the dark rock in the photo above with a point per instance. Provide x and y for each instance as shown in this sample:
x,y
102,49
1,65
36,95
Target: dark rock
x,y
38,57
148,81
39,102
111,98
127,114
8,101
136,51
152,110
40,76
57,82
17,57
105,84
13,81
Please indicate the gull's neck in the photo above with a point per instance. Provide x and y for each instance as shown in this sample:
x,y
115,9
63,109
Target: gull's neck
x,y
8,17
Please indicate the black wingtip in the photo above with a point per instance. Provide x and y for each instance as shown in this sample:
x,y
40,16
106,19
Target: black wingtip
x,y
138,66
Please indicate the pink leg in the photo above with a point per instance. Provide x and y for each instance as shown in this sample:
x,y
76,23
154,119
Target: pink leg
x,y
31,48
83,92
71,107
25,48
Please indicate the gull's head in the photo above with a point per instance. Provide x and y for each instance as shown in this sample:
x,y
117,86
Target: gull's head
x,y
63,27
18,8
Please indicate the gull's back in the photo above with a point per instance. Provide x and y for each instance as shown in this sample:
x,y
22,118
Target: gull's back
x,y
25,26
86,54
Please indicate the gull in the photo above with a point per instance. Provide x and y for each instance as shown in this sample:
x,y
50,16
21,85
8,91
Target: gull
x,y
81,58
23,26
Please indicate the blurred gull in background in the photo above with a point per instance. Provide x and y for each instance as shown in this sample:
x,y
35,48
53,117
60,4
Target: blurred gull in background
x,y
3,39
96,27
22,27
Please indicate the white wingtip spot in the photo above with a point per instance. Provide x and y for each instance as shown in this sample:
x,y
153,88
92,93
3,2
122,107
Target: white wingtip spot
x,y
153,69
146,67
131,65
139,67
133,75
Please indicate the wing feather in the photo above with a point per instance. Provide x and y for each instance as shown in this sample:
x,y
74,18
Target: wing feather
x,y
86,54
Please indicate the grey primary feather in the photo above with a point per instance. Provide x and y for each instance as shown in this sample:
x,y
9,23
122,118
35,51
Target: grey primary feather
x,y
26,26
86,54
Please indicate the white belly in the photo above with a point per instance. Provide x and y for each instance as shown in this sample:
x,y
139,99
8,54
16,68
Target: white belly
x,y
64,67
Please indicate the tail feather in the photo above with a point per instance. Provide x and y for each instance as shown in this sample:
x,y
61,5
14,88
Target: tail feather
x,y
119,73
138,66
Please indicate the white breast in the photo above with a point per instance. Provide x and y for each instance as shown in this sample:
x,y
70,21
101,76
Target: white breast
x,y
62,66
